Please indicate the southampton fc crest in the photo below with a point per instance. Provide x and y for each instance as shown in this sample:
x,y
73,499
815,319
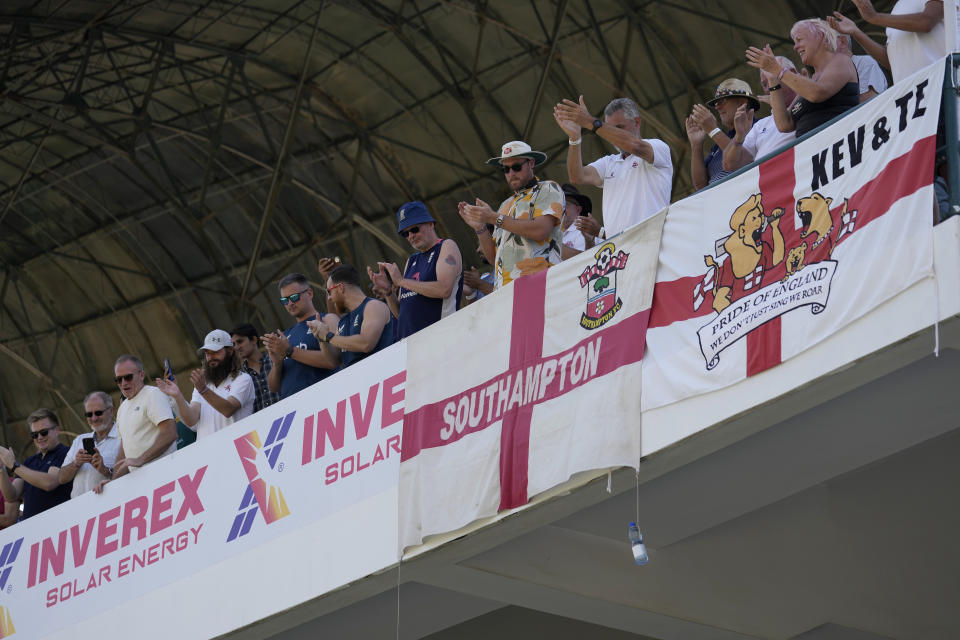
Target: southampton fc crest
x,y
600,280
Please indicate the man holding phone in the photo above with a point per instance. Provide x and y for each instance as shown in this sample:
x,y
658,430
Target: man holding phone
x,y
92,455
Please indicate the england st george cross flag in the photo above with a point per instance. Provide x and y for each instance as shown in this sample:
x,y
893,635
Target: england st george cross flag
x,y
758,269
534,383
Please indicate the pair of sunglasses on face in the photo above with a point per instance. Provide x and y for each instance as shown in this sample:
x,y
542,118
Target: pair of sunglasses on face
x,y
90,414
293,297
124,378
507,168
40,434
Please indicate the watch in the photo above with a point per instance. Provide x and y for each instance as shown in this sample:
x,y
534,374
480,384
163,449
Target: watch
x,y
597,124
289,351
499,222
329,336
15,465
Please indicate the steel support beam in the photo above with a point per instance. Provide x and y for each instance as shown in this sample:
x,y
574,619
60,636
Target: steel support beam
x,y
276,181
554,38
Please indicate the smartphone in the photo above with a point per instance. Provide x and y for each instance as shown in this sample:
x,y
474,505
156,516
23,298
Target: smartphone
x,y
88,446
389,278
168,370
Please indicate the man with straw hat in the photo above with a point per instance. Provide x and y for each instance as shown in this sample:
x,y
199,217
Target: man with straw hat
x,y
701,125
526,234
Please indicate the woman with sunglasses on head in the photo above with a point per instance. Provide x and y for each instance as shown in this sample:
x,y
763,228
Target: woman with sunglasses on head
x,y
526,237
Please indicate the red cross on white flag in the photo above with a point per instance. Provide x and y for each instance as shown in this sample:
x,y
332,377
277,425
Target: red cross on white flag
x,y
761,267
515,394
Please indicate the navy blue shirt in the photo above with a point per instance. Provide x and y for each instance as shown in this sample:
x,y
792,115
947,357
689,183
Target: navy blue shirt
x,y
37,500
714,162
296,375
418,311
351,324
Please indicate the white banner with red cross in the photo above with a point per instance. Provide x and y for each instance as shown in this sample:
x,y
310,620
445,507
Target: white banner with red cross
x,y
758,269
518,392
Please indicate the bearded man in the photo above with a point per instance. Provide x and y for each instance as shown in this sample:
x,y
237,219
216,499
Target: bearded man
x,y
222,393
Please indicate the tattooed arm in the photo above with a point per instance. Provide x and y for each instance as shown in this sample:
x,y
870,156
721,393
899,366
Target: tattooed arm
x,y
449,269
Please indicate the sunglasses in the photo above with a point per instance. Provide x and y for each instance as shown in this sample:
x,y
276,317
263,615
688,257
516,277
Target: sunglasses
x,y
293,297
124,378
90,414
409,230
507,168
40,434
331,289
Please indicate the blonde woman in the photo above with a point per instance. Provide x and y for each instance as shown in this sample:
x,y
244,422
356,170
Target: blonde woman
x,y
831,90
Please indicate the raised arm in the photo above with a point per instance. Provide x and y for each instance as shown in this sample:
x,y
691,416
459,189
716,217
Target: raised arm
x,y
618,137
734,155
577,173
189,412
874,49
764,60
919,22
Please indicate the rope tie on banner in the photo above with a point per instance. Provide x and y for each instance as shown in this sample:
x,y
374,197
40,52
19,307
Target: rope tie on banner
x,y
638,497
398,596
936,296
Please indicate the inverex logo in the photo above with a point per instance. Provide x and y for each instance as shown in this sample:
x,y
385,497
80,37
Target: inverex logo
x,y
7,557
259,495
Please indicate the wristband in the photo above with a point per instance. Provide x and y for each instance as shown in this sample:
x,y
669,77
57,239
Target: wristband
x,y
783,70
289,351
775,87
574,143
481,231
715,131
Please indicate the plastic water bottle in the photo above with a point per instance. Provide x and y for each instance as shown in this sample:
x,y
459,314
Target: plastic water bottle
x,y
636,541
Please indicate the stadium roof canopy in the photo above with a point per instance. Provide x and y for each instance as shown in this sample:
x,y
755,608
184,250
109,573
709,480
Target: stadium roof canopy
x,y
163,163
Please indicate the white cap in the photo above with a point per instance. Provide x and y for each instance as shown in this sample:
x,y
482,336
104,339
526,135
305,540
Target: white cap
x,y
216,340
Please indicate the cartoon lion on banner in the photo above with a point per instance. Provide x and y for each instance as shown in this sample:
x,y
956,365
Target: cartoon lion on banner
x,y
748,254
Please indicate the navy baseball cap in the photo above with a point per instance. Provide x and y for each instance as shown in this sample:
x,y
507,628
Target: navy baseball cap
x,y
412,213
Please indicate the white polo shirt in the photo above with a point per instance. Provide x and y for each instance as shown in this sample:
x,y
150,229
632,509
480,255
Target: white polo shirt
x,y
87,477
870,74
137,420
211,420
764,138
634,189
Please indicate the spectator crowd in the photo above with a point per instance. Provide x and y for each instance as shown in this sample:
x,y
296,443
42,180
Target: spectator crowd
x,y
540,224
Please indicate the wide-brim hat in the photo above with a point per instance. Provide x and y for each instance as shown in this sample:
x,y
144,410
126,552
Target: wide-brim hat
x,y
412,213
734,88
216,340
518,148
572,193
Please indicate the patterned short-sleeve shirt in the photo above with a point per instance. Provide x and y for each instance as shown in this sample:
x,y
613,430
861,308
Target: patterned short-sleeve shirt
x,y
518,256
